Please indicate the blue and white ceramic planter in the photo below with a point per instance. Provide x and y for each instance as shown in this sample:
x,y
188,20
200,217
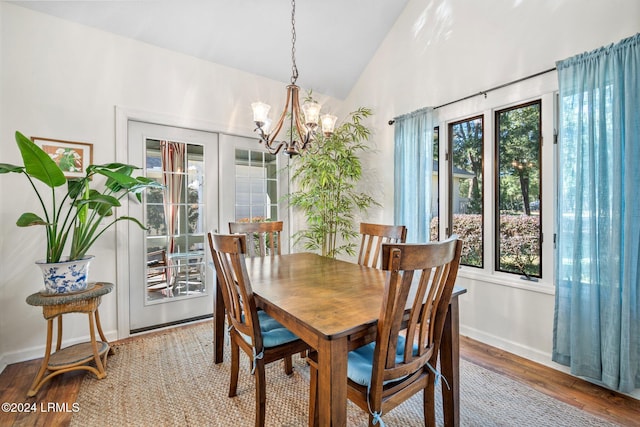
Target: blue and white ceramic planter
x,y
65,276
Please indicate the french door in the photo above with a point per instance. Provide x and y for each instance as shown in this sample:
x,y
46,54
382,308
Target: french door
x,y
252,183
169,278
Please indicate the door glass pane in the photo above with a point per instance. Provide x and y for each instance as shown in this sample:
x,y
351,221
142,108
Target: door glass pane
x,y
519,219
175,221
466,184
256,186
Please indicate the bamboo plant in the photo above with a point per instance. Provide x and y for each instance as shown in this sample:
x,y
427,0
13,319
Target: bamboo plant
x,y
326,179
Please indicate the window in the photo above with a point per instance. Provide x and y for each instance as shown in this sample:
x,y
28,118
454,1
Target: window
x,y
256,186
499,214
518,179
466,190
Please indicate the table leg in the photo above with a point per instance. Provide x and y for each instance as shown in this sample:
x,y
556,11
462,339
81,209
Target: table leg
x,y
99,327
450,365
94,347
218,324
102,337
59,334
332,382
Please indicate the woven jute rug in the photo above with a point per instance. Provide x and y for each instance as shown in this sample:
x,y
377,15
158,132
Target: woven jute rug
x,y
169,379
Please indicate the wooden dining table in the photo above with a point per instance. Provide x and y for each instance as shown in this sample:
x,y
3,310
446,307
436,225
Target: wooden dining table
x,y
334,306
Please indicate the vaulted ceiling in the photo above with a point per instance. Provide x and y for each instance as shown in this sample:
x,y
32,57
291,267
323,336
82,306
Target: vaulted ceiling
x,y
335,39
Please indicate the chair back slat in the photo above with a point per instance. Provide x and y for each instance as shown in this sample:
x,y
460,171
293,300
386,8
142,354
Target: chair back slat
x,y
263,238
228,253
421,278
373,236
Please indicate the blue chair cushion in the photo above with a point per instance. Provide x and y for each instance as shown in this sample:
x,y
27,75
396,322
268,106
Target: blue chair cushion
x,y
360,361
273,333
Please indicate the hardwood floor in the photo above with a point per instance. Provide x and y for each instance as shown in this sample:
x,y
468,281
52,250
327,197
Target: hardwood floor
x,y
610,405
53,406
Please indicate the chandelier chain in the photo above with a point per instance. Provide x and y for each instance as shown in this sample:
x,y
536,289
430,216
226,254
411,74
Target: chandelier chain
x,y
294,67
303,121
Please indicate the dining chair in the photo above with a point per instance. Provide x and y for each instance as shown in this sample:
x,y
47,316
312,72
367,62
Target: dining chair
x,y
403,358
263,238
373,236
262,338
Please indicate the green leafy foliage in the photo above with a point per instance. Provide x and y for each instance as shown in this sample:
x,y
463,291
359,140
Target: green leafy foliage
x,y
519,242
467,155
80,211
519,157
520,245
326,178
469,228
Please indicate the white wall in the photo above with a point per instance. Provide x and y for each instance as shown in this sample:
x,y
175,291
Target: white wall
x,y
62,80
442,50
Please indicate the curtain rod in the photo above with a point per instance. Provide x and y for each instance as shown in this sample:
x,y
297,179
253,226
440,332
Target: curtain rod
x,y
485,92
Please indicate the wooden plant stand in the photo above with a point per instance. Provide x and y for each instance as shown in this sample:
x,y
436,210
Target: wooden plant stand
x,y
77,356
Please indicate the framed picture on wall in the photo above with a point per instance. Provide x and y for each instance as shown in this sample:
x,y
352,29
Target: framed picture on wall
x,y
72,157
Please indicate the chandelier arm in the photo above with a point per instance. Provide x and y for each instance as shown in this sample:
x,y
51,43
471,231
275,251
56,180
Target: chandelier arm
x,y
300,127
261,134
278,126
306,141
312,149
273,150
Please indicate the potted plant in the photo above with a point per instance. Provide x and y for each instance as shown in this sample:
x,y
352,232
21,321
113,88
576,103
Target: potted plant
x,y
326,179
80,213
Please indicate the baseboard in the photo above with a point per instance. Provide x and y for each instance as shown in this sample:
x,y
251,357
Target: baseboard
x,y
37,352
513,347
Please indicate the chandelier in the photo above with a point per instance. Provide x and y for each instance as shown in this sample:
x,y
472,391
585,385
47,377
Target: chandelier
x,y
303,121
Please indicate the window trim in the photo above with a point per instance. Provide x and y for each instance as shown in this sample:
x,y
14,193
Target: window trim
x,y
496,190
450,181
462,111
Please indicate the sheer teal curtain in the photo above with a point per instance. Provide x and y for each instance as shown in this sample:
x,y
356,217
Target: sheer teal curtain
x,y
597,313
413,166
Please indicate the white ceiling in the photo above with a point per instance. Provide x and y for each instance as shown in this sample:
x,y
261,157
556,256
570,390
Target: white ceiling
x,y
335,38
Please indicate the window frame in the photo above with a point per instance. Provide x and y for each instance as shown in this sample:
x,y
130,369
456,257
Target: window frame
x,y
450,182
496,176
463,111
